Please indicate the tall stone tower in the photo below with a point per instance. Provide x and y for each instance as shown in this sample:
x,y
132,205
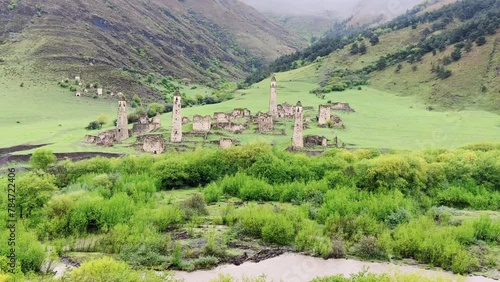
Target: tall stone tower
x,y
122,121
298,129
176,136
324,114
273,104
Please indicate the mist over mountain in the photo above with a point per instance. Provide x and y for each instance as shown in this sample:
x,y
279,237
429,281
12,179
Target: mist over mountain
x,y
341,8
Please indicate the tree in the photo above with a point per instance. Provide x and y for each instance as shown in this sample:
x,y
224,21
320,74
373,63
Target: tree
x,y
136,101
362,48
33,192
481,41
102,119
354,49
456,55
41,158
381,63
155,108
93,125
468,46
374,40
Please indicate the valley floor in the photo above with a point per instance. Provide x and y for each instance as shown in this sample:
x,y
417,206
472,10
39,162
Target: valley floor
x,y
47,114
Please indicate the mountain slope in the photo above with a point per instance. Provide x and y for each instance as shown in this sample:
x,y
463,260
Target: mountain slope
x,y
114,40
446,55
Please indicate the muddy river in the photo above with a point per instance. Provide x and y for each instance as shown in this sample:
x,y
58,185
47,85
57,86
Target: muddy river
x,y
300,268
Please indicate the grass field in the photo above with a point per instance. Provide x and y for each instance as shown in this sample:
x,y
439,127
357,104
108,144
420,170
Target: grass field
x,y
49,114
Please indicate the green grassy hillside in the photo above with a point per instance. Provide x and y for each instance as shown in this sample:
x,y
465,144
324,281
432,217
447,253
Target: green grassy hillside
x,y
118,42
381,120
445,54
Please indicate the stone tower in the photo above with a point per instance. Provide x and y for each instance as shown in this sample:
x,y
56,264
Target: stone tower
x,y
176,136
298,129
273,104
324,114
122,121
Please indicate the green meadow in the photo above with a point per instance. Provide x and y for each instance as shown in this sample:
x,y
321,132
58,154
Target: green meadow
x,y
44,113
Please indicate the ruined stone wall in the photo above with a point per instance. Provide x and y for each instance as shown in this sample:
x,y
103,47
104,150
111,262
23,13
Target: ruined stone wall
x,y
273,99
231,127
185,120
176,134
222,117
105,138
152,143
337,122
265,122
345,107
240,113
122,122
315,140
156,120
146,125
202,124
298,128
286,111
324,115
226,143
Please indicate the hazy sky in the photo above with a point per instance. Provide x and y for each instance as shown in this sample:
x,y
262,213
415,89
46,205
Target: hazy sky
x,y
345,7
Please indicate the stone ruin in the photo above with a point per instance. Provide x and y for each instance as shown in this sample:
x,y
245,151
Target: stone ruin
x,y
298,128
231,127
344,107
122,122
202,123
315,140
241,113
265,122
185,120
286,111
224,121
220,117
273,107
324,115
226,143
146,125
108,138
152,143
99,91
176,134
325,118
337,122
105,139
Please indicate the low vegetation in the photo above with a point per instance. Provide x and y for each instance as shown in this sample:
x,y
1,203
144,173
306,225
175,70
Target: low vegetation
x,y
344,203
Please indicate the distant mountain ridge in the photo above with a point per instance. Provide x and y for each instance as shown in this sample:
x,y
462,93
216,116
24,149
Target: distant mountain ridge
x,y
203,41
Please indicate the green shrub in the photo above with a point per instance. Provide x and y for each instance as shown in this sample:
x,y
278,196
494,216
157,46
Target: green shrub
x,y
278,230
485,229
306,236
215,245
323,247
369,248
42,158
213,193
405,173
109,270
252,219
161,218
338,248
256,190
195,205
142,255
205,262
